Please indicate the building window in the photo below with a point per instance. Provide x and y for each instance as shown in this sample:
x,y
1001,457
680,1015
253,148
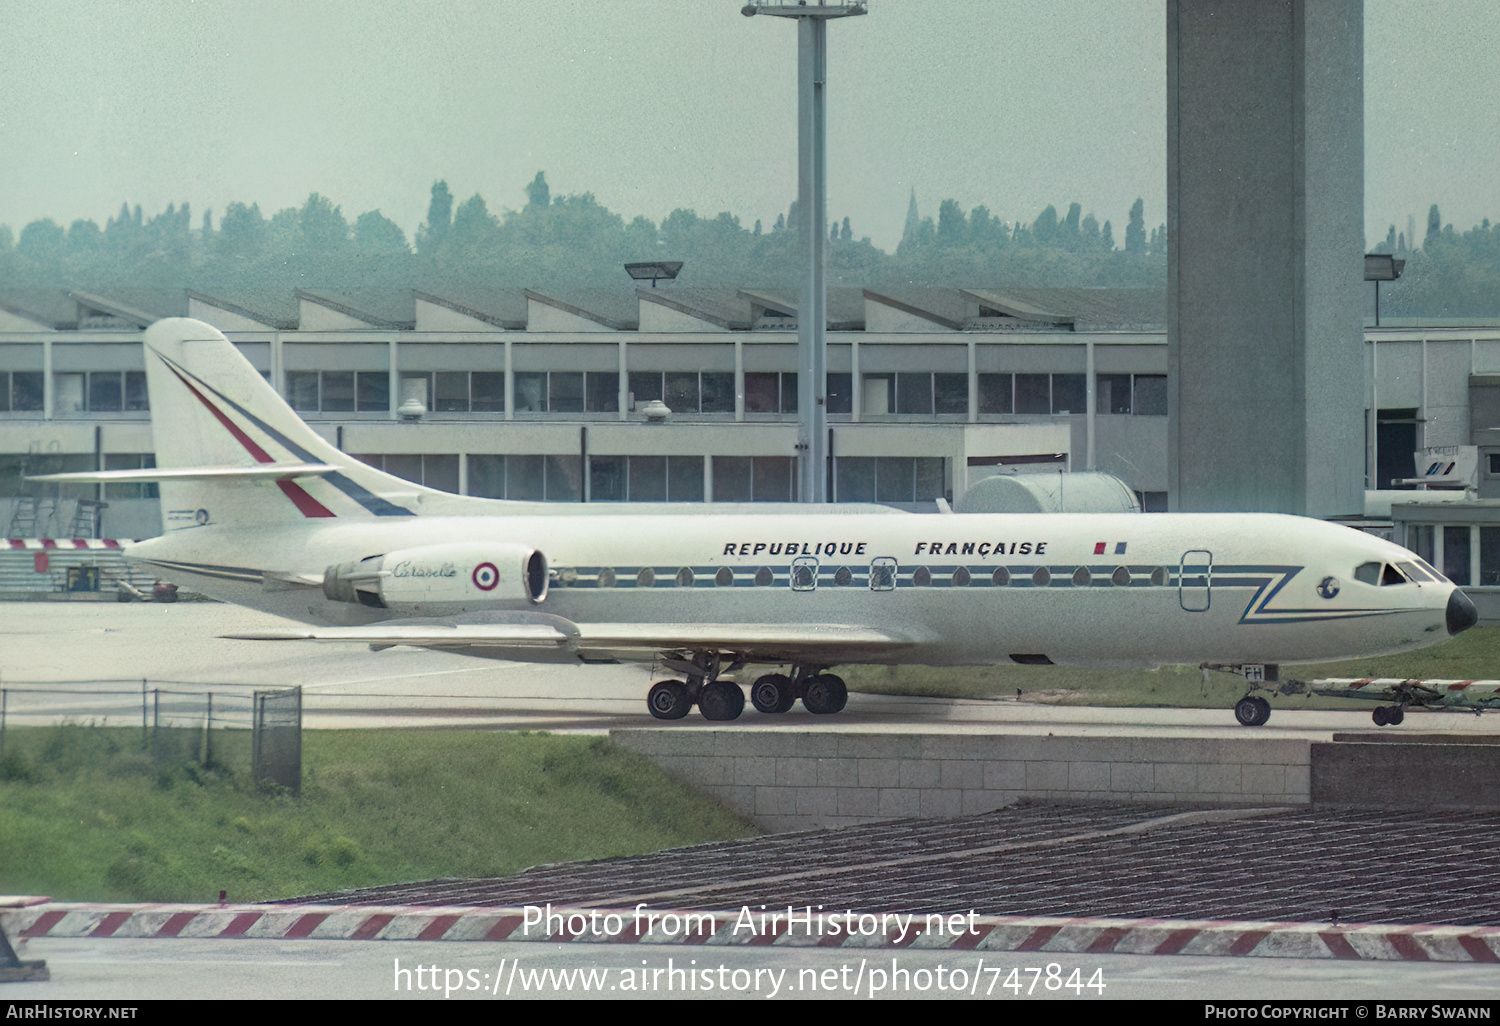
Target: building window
x,y
754,479
105,393
889,479
1069,393
996,393
1033,393
1456,554
1112,393
1152,502
21,391
919,393
336,392
645,478
564,392
434,470
373,393
770,392
685,391
1489,557
130,489
16,467
1419,538
85,392
840,393
529,478
339,391
914,394
302,390
950,393
1144,395
450,392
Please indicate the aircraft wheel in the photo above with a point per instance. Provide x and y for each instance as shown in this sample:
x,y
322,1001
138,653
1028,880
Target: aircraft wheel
x,y
669,700
1380,716
772,693
1394,715
721,700
1248,711
824,694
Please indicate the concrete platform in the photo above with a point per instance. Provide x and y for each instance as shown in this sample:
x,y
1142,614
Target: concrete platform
x,y
799,779
805,779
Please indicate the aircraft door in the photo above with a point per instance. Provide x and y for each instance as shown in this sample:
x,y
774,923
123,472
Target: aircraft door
x,y
804,573
1194,579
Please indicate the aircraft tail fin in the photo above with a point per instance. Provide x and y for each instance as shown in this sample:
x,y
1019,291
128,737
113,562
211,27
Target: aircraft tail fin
x,y
211,409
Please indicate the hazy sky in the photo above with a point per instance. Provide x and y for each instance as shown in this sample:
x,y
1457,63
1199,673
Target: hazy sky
x,y
656,104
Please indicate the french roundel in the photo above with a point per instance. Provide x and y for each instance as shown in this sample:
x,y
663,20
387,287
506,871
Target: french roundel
x,y
486,577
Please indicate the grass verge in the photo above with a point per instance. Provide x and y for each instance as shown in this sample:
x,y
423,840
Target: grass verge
x,y
1473,654
86,815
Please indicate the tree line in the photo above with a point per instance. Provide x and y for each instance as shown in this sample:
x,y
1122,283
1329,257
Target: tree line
x,y
562,240
1452,275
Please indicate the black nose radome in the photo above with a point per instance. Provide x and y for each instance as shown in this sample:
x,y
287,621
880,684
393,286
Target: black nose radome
x,y
1461,612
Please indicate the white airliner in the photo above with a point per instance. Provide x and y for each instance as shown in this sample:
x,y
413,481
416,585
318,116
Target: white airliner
x,y
261,511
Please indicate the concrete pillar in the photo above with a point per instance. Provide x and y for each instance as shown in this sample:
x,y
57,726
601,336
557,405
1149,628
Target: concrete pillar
x,y
1265,220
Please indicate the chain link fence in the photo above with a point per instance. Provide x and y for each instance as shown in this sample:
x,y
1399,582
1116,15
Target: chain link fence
x,y
255,732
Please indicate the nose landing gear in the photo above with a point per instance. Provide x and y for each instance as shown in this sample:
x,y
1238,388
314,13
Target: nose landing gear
x,y
1252,711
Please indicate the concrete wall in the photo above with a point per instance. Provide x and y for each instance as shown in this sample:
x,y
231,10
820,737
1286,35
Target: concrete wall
x,y
796,780
1265,171
1406,775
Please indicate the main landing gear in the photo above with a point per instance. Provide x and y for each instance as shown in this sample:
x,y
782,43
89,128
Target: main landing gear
x,y
821,693
1388,714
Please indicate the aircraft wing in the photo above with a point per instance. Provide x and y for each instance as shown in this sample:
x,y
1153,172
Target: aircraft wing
x,y
761,642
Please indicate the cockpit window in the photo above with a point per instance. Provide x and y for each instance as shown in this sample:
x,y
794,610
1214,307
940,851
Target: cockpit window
x,y
1431,570
1416,573
1382,574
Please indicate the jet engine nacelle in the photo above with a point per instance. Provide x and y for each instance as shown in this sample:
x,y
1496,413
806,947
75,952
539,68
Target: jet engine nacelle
x,y
440,574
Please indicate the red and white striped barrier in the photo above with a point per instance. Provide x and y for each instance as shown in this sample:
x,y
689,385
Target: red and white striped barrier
x,y
61,544
1367,941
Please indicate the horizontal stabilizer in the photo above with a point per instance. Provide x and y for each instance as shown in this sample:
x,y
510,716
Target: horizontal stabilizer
x,y
263,471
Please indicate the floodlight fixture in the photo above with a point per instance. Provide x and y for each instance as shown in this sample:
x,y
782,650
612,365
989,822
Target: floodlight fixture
x,y
1382,267
654,271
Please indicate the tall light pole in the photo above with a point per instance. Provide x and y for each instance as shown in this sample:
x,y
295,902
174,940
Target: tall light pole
x,y
812,220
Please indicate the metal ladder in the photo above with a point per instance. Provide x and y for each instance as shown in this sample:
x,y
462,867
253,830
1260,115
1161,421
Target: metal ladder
x,y
86,518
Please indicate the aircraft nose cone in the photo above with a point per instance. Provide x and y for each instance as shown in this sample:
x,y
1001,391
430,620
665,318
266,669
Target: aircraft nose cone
x,y
1461,612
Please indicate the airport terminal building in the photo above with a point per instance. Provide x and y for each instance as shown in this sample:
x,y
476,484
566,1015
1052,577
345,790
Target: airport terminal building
x,y
541,394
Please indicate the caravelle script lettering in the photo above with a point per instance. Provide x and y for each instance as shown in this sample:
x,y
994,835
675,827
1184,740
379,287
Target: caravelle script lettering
x,y
406,568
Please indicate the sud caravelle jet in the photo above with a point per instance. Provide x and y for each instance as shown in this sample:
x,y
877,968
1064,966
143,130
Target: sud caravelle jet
x,y
261,511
